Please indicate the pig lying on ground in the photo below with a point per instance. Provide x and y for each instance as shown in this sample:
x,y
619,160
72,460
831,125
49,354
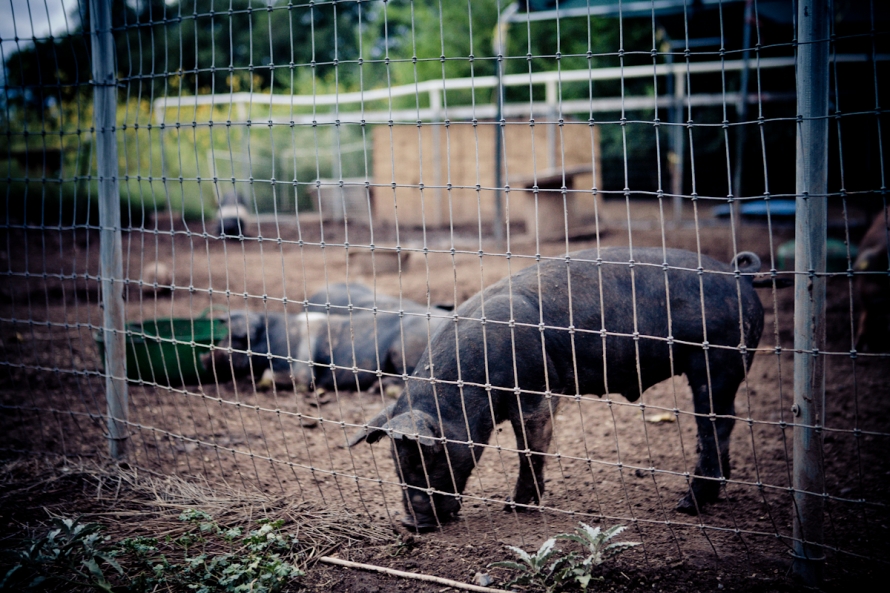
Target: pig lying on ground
x,y
872,291
528,332
358,345
259,334
337,298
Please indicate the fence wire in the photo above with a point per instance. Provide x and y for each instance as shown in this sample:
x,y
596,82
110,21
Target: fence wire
x,y
313,192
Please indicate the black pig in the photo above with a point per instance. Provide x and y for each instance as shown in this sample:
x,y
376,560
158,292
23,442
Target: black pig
x,y
872,290
529,336
259,334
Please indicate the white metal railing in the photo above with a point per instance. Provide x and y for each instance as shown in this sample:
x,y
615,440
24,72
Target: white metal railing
x,y
434,88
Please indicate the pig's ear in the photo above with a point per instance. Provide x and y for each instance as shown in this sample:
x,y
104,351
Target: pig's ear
x,y
244,325
236,323
374,431
259,327
416,426
872,259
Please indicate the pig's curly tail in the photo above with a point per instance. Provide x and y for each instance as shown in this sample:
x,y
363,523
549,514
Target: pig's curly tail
x,y
747,262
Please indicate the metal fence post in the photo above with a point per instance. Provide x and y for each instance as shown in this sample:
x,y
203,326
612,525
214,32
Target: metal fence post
x,y
111,260
813,21
499,45
498,230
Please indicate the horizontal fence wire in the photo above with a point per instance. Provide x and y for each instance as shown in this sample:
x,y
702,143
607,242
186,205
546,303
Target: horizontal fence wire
x,y
544,262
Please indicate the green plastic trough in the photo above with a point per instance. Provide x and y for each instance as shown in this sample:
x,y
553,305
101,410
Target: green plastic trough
x,y
168,351
835,255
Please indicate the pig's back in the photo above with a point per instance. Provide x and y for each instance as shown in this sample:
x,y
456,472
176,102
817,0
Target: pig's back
x,y
599,290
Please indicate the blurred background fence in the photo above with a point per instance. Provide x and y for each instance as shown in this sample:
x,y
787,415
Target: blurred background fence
x,y
426,150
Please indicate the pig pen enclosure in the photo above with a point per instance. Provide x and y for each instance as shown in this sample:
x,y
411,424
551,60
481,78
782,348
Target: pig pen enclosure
x,y
192,184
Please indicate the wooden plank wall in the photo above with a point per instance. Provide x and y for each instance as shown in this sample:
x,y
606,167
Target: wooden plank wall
x,y
463,156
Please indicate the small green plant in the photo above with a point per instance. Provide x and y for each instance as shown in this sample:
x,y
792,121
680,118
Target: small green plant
x,y
257,563
595,543
545,569
550,569
71,553
206,558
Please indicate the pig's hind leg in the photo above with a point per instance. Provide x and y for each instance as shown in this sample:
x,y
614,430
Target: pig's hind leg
x,y
713,398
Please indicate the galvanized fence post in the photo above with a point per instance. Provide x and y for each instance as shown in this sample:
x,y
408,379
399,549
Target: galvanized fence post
x,y
111,261
813,21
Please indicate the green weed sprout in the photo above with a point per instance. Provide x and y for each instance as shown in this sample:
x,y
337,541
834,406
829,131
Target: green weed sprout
x,y
549,569
546,569
71,552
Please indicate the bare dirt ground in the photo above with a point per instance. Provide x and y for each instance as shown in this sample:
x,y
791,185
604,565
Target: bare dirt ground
x,y
610,462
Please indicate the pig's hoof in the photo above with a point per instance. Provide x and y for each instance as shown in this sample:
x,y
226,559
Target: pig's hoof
x,y
687,505
308,422
266,381
392,391
321,397
520,507
705,492
421,526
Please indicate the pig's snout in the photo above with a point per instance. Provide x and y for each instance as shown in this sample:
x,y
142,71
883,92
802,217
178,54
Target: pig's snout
x,y
427,514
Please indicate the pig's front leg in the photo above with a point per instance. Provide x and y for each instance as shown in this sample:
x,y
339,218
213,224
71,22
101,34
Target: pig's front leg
x,y
533,433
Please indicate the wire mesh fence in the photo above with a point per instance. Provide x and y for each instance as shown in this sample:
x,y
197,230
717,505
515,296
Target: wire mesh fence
x,y
311,194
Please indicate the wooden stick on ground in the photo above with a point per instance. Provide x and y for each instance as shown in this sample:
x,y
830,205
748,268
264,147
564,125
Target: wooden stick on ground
x,y
410,575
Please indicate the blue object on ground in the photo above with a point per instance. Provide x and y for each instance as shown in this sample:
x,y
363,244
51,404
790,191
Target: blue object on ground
x,y
759,209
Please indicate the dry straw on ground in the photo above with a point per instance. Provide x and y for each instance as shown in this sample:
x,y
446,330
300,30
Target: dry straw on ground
x,y
130,503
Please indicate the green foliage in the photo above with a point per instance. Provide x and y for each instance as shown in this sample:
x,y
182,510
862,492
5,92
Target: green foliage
x,y
197,46
550,569
170,48
595,542
547,569
256,563
71,553
206,558
428,30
